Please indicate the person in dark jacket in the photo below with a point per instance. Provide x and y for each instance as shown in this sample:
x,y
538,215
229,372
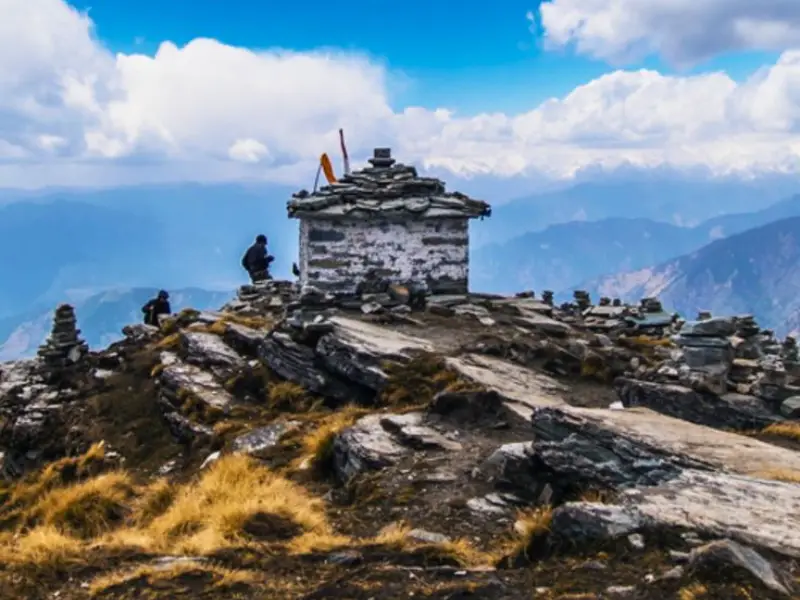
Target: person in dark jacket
x,y
156,307
256,260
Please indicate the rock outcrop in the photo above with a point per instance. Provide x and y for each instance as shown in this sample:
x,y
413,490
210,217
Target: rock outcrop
x,y
461,411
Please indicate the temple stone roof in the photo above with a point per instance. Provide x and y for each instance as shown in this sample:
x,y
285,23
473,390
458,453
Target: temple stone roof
x,y
385,189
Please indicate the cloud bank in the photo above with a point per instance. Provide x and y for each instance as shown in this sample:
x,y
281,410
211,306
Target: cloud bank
x,y
71,112
682,31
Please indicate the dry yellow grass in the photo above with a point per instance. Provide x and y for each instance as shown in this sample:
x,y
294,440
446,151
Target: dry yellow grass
x,y
317,443
417,381
596,496
287,395
219,577
784,475
170,341
157,370
531,526
234,496
643,340
44,547
59,473
789,430
692,592
86,509
234,502
396,537
533,522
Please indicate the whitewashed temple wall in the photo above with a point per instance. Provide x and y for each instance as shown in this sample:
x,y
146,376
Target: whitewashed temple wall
x,y
336,255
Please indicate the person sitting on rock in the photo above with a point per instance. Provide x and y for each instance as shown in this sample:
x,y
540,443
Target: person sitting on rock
x,y
256,260
155,308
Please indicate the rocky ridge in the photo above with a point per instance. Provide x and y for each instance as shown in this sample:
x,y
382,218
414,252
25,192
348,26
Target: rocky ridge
x,y
629,453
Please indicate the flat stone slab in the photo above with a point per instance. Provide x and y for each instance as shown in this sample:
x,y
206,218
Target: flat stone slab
x,y
539,322
757,512
522,388
199,383
378,340
208,349
720,449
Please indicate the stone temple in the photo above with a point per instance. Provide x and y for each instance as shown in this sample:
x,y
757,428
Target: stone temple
x,y
385,221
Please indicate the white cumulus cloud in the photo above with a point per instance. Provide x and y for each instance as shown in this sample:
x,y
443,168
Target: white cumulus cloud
x,y
683,31
248,151
71,112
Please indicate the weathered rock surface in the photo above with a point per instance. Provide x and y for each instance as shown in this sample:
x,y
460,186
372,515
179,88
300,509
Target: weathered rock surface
x,y
208,350
736,411
591,434
182,380
724,555
263,438
377,441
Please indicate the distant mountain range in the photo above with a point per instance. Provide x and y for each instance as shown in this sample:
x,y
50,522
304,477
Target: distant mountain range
x,y
101,318
562,256
193,235
59,245
678,202
756,272
163,236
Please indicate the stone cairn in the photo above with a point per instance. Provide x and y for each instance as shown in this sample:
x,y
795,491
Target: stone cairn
x,y
707,353
582,299
63,348
651,305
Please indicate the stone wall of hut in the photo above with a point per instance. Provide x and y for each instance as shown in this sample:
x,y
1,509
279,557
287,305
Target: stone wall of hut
x,y
335,255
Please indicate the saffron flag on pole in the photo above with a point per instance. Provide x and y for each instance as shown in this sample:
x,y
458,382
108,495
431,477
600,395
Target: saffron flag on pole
x,y
327,168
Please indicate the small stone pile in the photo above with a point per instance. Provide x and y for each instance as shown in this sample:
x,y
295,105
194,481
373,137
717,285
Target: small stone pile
x,y
582,299
790,351
63,348
707,353
651,305
270,296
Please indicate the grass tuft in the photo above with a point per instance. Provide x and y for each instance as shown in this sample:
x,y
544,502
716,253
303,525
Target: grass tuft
x,y
216,578
784,475
286,395
789,430
416,382
317,444
692,592
86,509
171,341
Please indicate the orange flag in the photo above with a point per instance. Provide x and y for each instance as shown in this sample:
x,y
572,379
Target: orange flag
x,y
327,168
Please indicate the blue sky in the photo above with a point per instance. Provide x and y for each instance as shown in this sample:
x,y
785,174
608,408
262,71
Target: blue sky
x,y
464,56
224,105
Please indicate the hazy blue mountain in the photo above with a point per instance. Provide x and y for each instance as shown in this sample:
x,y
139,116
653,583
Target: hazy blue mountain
x,y
101,317
165,236
678,202
756,272
56,243
561,256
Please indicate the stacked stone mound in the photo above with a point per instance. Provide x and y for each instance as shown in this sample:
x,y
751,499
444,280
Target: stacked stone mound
x,y
268,297
64,346
386,188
